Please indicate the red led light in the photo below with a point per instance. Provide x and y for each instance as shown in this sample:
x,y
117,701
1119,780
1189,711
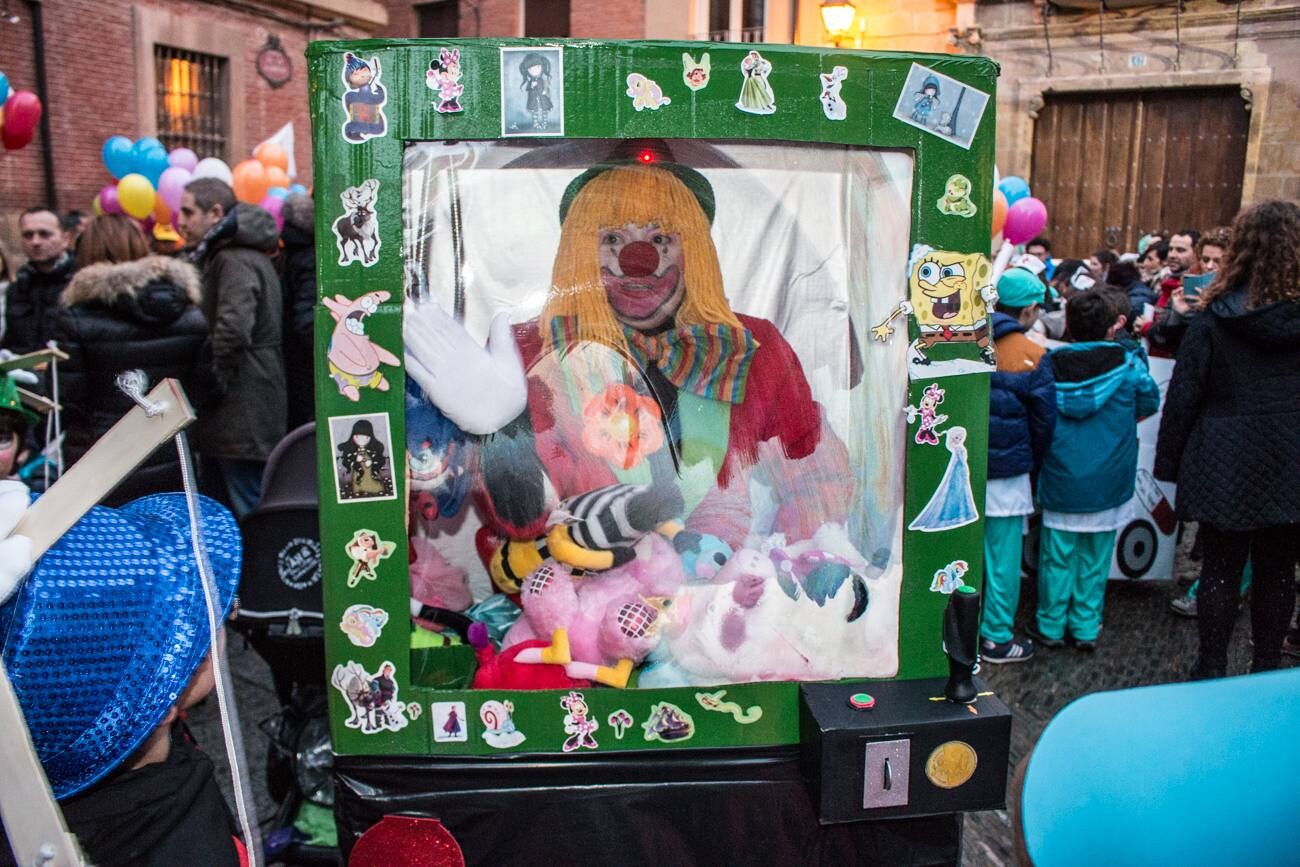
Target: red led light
x,y
647,157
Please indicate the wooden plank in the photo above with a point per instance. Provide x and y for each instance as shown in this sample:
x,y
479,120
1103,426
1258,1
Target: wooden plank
x,y
1118,169
1151,200
38,402
33,360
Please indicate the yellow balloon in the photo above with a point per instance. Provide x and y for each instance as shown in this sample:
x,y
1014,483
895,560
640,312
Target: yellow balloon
x,y
99,211
136,195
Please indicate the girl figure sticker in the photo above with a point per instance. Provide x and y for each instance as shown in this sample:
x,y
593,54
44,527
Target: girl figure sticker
x,y
443,78
756,96
365,550
449,725
532,91
363,457
363,625
354,359
952,504
940,105
363,100
371,698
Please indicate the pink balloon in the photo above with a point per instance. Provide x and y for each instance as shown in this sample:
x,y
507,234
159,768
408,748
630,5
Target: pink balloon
x,y
108,202
183,158
275,207
1025,219
171,186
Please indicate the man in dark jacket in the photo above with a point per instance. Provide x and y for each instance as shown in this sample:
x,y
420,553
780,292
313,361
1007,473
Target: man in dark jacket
x,y
242,303
298,278
1022,415
33,298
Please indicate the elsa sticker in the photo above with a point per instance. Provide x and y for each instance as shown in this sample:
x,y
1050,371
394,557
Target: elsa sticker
x,y
952,504
756,96
363,99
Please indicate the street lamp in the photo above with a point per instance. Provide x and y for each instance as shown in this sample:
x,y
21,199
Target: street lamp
x,y
837,17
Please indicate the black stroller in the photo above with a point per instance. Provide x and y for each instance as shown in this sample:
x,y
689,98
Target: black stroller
x,y
279,613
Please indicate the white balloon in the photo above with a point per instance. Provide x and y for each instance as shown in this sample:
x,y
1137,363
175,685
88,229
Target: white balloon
x,y
211,167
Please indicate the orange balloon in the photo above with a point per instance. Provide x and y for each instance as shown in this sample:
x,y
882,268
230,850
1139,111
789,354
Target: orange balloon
x,y
999,211
161,212
249,181
276,177
272,155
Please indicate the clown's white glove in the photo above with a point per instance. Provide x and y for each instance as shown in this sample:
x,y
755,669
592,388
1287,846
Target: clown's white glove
x,y
479,388
15,551
22,377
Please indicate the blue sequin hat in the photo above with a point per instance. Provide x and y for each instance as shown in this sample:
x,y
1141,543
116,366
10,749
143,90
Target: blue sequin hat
x,y
107,630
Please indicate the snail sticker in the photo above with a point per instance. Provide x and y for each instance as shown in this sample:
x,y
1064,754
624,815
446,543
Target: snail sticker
x,y
668,723
948,579
363,99
356,233
832,103
443,78
956,201
695,73
354,359
371,698
756,96
645,93
363,457
714,701
365,550
449,724
498,728
362,624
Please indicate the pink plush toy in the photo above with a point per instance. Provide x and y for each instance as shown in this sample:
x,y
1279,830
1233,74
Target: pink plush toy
x,y
601,625
436,582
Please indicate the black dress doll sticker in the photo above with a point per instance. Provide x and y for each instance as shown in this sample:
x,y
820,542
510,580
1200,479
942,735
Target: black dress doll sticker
x,y
363,99
532,91
363,457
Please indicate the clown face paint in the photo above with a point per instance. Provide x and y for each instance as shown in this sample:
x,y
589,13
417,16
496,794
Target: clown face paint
x,y
9,449
642,271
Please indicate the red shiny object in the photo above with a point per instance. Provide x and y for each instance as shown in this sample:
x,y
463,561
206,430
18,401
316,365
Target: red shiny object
x,y
22,113
638,259
12,140
407,841
647,157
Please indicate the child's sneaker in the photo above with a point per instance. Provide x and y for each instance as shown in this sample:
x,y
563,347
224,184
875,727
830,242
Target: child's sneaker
x,y
1183,606
1087,645
1043,639
995,653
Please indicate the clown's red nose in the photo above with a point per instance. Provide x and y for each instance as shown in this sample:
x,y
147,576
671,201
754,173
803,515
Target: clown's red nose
x,y
638,259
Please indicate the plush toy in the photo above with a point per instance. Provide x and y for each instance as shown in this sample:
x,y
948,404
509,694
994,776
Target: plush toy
x,y
436,582
502,670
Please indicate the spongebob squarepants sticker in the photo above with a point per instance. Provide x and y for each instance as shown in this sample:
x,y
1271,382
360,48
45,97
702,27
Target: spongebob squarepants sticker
x,y
949,295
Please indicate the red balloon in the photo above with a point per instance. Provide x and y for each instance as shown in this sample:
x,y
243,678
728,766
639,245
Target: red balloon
x,y
22,113
13,140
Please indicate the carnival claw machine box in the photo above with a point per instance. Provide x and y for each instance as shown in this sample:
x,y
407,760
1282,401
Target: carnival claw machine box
x,y
652,395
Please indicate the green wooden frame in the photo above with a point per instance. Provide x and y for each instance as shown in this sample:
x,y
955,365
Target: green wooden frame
x,y
596,107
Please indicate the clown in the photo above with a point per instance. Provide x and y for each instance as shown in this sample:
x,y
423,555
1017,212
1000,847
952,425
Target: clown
x,y
637,371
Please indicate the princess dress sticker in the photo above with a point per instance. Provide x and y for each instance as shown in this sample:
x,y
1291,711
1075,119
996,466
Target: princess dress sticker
x,y
695,73
832,103
443,78
927,433
645,93
532,91
354,359
449,722
578,724
363,457
371,698
952,504
363,625
363,99
756,96
949,578
356,233
365,550
498,728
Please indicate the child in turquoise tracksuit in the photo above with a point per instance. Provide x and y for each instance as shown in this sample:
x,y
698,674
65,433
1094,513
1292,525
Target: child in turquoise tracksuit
x,y
1087,479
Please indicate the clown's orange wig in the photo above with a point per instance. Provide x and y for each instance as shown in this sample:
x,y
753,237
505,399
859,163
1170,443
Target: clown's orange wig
x,y
641,195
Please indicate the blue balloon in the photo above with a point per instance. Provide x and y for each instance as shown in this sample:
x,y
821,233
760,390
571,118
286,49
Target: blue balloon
x,y
152,163
278,192
1014,188
4,88
147,143
297,190
117,156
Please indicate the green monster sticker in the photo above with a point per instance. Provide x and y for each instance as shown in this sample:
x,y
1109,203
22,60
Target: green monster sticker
x,y
956,198
714,701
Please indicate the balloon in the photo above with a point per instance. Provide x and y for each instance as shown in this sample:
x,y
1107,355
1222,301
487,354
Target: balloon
x,y
297,190
278,192
1025,219
161,213
151,163
171,186
136,195
999,211
1014,188
117,156
250,182
97,207
4,88
276,177
108,202
272,155
183,158
147,143
275,207
22,113
211,167
13,140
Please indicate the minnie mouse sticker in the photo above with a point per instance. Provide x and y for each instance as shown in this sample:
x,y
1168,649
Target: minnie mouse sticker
x,y
363,100
443,78
578,724
927,412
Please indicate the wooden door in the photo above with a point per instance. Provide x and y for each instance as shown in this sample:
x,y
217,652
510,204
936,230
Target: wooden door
x,y
546,18
1114,166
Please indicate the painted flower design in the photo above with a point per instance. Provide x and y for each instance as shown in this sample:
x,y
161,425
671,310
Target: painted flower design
x,y
622,426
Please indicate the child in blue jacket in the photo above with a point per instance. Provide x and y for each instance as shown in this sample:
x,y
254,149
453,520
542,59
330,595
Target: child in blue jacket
x,y
1087,480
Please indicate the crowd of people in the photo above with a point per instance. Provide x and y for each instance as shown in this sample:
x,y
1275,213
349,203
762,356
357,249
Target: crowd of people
x,y
1073,338
229,315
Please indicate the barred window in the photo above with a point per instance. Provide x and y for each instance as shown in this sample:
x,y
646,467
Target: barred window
x,y
192,107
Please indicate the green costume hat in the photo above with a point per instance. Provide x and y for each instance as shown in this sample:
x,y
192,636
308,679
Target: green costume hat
x,y
11,401
1018,288
699,186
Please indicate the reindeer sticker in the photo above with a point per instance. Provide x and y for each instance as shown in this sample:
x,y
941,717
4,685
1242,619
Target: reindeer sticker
x,y
354,359
371,698
357,231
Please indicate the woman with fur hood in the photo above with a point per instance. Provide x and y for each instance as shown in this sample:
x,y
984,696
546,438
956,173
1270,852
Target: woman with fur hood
x,y
127,310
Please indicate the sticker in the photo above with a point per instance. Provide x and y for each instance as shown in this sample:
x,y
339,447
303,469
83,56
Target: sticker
x,y
363,457
645,93
498,728
756,96
363,99
927,433
354,358
714,701
620,720
413,711
832,103
372,698
695,73
952,504
532,91
951,764
940,105
668,723
363,624
948,579
449,722
365,550
443,78
357,232
578,725
956,199
298,563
